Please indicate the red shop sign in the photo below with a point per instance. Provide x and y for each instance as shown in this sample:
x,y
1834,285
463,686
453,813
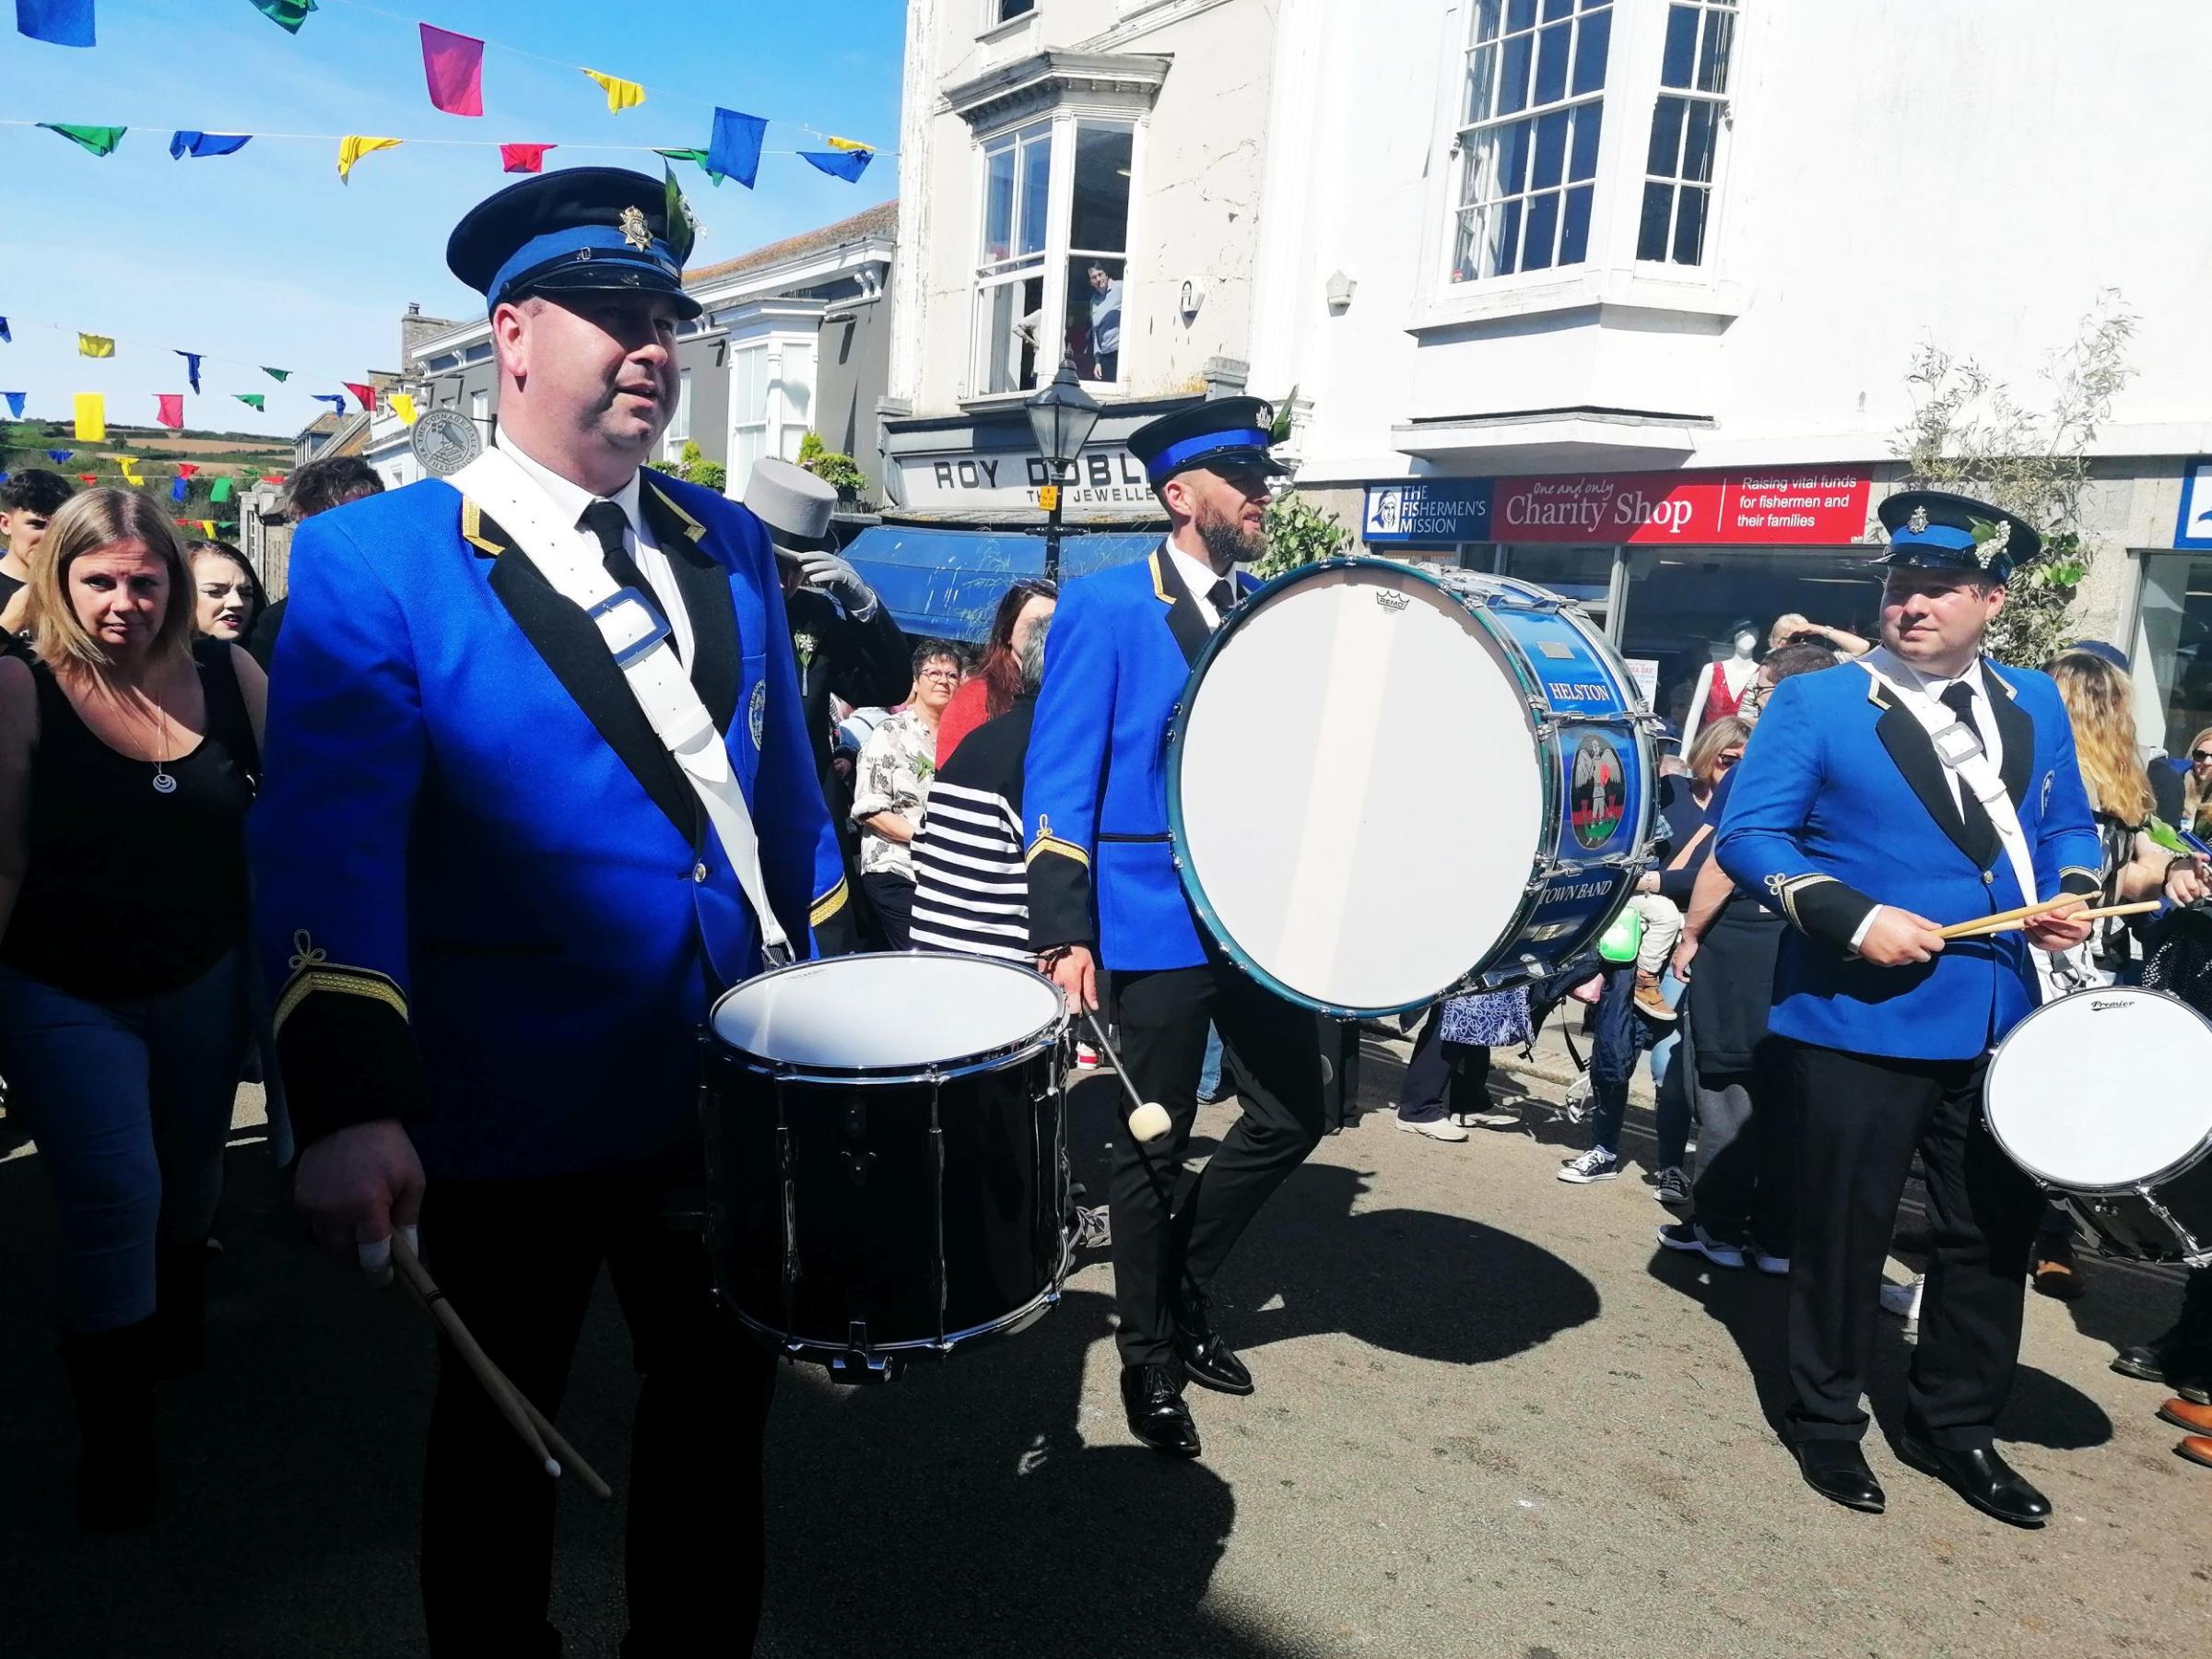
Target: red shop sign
x,y
1811,505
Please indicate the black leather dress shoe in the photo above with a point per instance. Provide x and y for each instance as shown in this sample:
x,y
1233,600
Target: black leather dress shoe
x,y
1153,1398
1837,1470
1981,1477
2151,1362
1209,1361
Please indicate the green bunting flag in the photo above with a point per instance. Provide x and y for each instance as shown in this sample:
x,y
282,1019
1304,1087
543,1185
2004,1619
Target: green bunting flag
x,y
100,140
279,375
253,400
221,490
288,15
683,225
698,155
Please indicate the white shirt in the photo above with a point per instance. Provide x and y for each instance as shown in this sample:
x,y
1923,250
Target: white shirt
x,y
570,498
1985,723
1199,578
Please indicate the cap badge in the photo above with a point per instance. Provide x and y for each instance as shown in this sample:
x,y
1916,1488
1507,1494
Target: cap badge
x,y
1918,521
634,232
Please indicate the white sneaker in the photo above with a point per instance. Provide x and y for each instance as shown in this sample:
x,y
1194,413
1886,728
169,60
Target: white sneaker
x,y
1905,1302
1486,1120
1087,1057
1597,1164
1686,1236
1442,1129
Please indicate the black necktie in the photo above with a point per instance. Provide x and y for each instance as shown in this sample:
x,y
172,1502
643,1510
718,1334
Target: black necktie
x,y
1958,698
611,525
1221,596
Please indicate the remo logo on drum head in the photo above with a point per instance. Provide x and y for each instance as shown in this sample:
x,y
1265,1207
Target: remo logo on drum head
x,y
1599,796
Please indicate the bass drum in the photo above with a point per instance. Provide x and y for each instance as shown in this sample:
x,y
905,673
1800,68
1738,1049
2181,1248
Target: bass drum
x,y
1386,784
2095,1096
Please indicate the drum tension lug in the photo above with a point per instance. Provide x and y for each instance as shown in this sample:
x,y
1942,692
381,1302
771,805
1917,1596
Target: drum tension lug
x,y
857,1365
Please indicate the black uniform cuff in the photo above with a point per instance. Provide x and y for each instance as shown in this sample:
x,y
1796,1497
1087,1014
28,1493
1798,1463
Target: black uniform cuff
x,y
1824,908
2086,883
348,1060
1060,907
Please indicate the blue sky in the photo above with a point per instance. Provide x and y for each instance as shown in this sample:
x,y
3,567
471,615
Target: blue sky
x,y
265,257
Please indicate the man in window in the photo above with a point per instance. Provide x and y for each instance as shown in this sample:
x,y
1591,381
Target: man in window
x,y
1105,326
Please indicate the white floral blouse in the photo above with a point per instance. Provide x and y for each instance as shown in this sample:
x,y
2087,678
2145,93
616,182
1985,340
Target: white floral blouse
x,y
895,765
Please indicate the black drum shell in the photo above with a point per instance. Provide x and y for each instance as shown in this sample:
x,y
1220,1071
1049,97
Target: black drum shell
x,y
2131,1225
852,1216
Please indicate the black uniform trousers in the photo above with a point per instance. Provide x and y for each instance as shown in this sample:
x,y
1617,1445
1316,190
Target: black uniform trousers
x,y
520,1260
1861,1119
1168,1221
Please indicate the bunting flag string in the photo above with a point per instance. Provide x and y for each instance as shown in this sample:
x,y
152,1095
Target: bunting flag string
x,y
100,140
15,404
353,146
288,15
191,368
453,65
621,94
57,22
182,144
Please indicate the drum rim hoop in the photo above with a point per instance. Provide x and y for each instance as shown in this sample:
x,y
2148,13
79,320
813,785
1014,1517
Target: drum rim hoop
x,y
2142,1186
997,1058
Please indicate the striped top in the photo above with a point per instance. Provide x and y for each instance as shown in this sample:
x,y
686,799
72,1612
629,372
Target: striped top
x,y
971,884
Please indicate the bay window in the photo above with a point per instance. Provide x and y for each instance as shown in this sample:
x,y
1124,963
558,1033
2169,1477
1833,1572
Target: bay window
x,y
1686,131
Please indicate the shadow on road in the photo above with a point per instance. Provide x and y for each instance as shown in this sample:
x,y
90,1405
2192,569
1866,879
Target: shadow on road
x,y
2043,1411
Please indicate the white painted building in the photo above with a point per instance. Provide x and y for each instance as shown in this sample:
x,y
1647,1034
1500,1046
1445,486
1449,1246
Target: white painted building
x,y
1643,277
1704,238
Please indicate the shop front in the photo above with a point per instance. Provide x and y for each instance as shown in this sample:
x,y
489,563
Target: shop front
x,y
2172,647
1665,563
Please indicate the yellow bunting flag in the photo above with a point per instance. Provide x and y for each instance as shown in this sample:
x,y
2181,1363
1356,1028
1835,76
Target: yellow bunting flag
x,y
130,477
353,146
850,144
402,405
95,346
621,94
207,528
91,418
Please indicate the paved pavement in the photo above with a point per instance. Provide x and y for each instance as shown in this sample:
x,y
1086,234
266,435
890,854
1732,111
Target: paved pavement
x,y
1491,1419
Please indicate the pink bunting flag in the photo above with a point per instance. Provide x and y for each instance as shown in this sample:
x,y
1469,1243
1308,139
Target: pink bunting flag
x,y
454,65
367,394
172,409
188,469
524,157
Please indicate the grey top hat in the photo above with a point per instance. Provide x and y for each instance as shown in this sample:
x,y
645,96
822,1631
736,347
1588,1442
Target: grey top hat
x,y
793,503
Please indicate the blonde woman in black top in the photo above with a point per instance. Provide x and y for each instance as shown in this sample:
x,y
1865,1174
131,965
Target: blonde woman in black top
x,y
128,759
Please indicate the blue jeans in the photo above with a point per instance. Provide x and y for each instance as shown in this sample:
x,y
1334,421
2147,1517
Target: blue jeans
x,y
1671,1066
129,1101
1616,1033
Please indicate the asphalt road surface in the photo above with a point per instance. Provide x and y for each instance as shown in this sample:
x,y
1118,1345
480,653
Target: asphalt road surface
x,y
1491,1418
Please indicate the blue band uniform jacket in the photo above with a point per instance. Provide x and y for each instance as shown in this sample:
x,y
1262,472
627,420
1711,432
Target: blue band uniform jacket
x,y
485,894
1840,802
1101,868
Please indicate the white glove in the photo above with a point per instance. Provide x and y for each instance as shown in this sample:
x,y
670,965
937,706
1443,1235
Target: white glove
x,y
837,578
376,1257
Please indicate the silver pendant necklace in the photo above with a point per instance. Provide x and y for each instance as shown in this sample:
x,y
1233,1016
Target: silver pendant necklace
x,y
163,783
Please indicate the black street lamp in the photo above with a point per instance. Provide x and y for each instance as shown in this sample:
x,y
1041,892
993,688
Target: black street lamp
x,y
1061,416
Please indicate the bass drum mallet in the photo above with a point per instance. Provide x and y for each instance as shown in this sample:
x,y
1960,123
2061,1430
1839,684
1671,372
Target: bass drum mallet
x,y
1148,1120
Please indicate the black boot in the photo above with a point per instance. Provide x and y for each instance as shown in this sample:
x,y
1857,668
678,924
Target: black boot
x,y
112,1381
180,1336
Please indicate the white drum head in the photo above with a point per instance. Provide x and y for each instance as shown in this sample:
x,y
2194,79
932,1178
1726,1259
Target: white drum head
x,y
1349,724
2101,1089
885,1012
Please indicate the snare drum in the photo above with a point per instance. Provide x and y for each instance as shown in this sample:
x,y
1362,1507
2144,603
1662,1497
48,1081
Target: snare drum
x,y
2097,1096
1388,783
887,1156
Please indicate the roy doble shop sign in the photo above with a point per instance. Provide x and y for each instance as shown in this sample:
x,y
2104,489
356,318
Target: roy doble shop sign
x,y
1813,504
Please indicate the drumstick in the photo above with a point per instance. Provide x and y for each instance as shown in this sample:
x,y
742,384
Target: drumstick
x,y
1958,930
1148,1120
1991,929
525,1419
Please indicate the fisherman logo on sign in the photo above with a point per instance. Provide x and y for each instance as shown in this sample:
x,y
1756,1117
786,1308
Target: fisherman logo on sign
x,y
1599,794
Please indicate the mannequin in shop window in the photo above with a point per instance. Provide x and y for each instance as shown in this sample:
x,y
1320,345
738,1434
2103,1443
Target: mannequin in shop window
x,y
1721,682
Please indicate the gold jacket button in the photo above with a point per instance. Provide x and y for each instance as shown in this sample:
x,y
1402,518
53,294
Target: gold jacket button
x,y
698,873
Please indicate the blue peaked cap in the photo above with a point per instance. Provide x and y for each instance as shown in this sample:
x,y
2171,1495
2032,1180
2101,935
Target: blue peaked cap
x,y
1932,530
1220,431
578,229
